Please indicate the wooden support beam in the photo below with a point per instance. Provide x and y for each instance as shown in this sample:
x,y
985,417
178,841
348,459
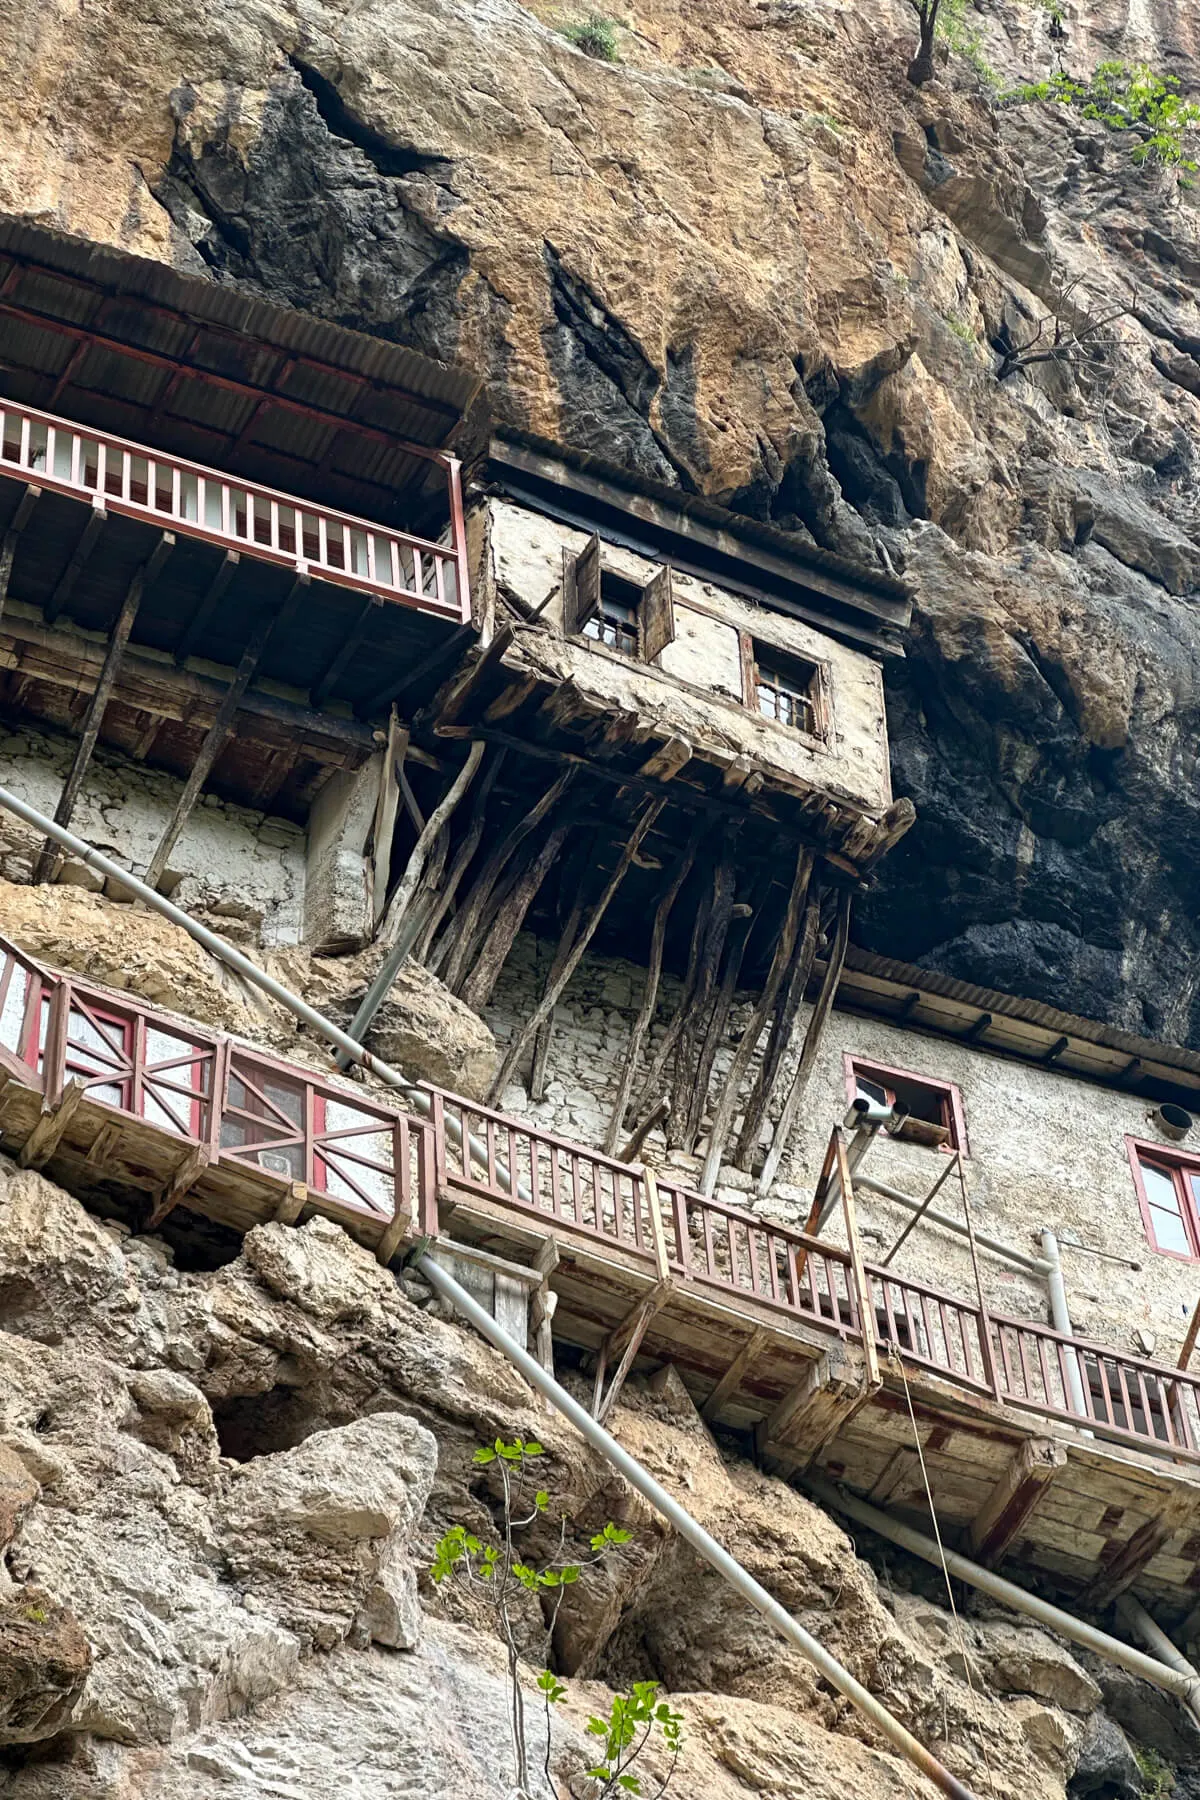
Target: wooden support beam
x,y
1189,1340
395,689
812,1043
1055,1051
783,1030
473,680
477,989
658,1235
796,1401
403,1225
51,858
47,1134
70,575
731,1380
208,605
103,1145
12,537
974,1032
1125,1562
184,1176
214,742
901,1473
686,1099
543,1304
632,1148
1011,1502
292,1204
521,1039
410,881
645,1017
812,1413
667,760
629,1333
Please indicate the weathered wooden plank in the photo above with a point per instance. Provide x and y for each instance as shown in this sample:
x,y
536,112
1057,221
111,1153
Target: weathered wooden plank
x,y
47,1133
732,1378
1009,1506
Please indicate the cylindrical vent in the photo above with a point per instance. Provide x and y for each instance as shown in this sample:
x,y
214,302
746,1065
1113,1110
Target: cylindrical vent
x,y
1173,1121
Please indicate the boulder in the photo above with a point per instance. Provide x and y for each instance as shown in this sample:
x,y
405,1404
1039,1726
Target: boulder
x,y
317,1534
425,1030
1023,1660
1106,1766
44,1663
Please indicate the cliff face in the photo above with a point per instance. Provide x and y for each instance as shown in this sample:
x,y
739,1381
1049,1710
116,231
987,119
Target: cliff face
x,y
752,260
219,1497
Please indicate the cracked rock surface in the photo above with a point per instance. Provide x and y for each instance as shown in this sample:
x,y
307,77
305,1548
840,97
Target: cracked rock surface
x,y
219,1496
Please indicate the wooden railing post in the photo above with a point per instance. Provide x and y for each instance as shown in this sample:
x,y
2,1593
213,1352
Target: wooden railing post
x,y
658,1236
54,1055
864,1304
985,1321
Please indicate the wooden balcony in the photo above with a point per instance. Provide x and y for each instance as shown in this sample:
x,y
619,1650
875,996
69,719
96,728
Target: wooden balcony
x,y
113,475
1067,1454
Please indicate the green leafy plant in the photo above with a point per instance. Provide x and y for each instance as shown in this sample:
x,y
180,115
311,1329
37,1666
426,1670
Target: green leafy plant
x,y
496,1571
1158,1778
595,36
1125,97
962,36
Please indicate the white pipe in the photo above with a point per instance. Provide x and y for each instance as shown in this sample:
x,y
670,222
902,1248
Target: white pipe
x,y
1185,1687
1134,1616
688,1528
1060,1318
1032,1265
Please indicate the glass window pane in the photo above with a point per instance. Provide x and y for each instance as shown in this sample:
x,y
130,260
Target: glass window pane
x,y
1160,1187
1169,1231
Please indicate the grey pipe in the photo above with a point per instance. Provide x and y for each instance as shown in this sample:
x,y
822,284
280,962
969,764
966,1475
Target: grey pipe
x,y
1060,1318
1134,1616
1031,1265
1170,1680
220,948
705,1546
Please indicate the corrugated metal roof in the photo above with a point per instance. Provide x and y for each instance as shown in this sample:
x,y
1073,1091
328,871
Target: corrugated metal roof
x,y
196,301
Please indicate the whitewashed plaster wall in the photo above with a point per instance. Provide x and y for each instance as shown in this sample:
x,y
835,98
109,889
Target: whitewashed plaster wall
x,y
1046,1149
240,866
695,686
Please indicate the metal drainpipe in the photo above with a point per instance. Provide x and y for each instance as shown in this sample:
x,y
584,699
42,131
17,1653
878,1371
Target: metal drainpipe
x,y
705,1546
1133,1614
1185,1687
218,947
1060,1315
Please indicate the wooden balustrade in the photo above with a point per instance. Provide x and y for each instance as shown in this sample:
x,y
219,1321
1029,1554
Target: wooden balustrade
x,y
359,1155
200,502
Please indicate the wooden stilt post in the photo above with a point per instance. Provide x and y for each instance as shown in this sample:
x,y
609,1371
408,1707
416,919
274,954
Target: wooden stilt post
x,y
410,880
645,1018
785,946
12,537
521,1039
50,859
781,1034
208,605
70,575
214,742
686,1100
812,1041
462,859
477,988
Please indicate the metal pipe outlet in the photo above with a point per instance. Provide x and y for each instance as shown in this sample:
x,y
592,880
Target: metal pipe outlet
x,y
705,1546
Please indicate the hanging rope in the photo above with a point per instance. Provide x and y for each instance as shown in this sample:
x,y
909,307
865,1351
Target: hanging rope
x,y
897,1362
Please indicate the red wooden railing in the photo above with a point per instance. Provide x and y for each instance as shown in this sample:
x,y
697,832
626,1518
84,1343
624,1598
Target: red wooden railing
x,y
199,502
284,1123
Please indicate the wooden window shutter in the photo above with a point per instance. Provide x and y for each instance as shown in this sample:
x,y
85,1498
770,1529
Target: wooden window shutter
x,y
656,616
581,586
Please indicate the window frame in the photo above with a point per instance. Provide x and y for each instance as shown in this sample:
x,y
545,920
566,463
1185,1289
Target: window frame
x,y
582,596
884,1073
749,648
1174,1162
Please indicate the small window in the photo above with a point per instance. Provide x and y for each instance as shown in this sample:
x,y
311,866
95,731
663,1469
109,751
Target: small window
x,y
783,687
615,621
634,619
926,1111
1168,1189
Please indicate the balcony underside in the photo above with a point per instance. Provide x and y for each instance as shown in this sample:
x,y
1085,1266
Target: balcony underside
x,y
331,640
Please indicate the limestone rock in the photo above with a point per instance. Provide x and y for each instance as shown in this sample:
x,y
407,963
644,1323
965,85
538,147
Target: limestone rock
x,y
18,1491
44,1661
317,1533
1106,1764
1024,1660
425,1030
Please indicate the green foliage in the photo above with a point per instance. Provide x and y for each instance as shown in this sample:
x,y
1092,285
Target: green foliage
x,y
962,37
633,1718
497,1573
961,329
595,36
1158,1778
1125,96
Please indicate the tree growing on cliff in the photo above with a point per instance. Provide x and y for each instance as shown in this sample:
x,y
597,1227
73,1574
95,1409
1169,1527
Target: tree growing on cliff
x,y
920,69
497,1573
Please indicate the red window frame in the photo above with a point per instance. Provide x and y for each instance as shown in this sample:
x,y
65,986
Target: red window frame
x,y
948,1092
1178,1165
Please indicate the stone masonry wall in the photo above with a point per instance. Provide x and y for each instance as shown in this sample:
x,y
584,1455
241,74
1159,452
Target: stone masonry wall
x,y
240,866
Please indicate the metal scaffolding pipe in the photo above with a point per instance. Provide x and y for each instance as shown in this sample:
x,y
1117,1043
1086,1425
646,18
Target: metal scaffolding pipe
x,y
689,1528
1185,1687
1060,1318
1133,1614
235,959
1032,1265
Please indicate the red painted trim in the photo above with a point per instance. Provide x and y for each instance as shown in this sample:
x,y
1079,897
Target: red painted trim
x,y
949,1089
1172,1160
